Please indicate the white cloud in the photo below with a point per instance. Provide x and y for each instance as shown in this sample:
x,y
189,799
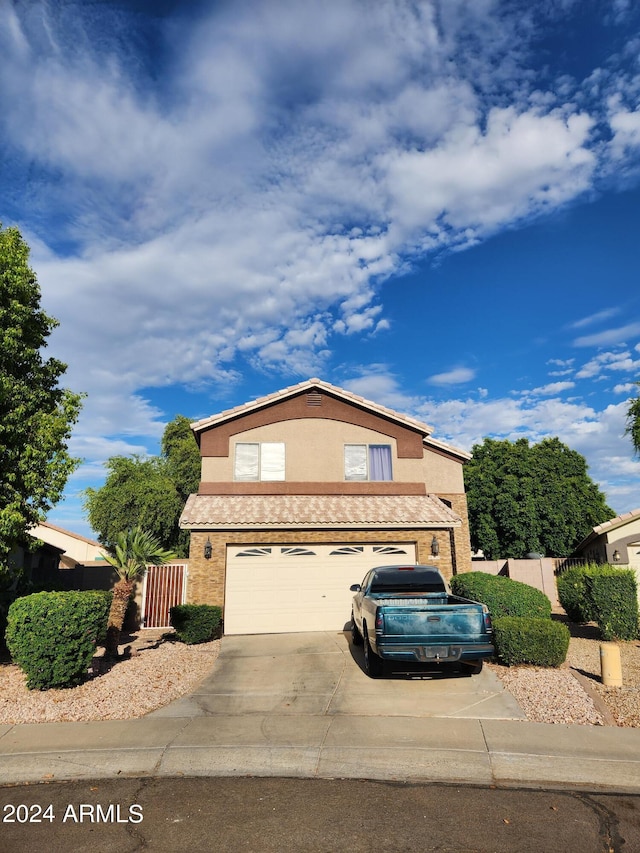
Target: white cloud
x,y
609,336
600,365
599,435
381,386
456,376
598,317
562,362
625,126
550,390
521,164
247,205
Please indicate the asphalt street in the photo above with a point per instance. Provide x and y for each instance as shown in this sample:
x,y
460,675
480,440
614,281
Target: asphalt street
x,y
314,815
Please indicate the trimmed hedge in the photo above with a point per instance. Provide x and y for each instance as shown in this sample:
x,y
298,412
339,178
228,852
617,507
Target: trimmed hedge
x,y
604,594
196,623
503,596
52,636
613,597
572,593
541,642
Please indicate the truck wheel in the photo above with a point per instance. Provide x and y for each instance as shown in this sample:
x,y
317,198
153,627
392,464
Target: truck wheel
x,y
372,663
356,636
474,667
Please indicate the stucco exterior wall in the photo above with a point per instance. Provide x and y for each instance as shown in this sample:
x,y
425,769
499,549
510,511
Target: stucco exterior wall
x,y
441,473
314,453
314,450
630,528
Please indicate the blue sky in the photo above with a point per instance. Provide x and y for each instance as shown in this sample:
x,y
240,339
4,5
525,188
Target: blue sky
x,y
432,204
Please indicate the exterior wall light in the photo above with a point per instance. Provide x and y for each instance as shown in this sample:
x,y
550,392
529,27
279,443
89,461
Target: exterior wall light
x,y
616,556
435,548
208,548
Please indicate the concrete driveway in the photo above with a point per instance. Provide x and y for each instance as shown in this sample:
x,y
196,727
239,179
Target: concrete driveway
x,y
299,705
321,674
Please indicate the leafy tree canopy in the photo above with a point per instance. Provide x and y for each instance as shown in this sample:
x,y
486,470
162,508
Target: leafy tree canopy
x,y
530,498
182,456
633,421
148,492
36,414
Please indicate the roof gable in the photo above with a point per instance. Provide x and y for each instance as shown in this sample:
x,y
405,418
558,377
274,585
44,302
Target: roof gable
x,y
212,433
308,387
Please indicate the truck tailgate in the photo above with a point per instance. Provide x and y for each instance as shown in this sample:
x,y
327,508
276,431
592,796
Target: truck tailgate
x,y
413,618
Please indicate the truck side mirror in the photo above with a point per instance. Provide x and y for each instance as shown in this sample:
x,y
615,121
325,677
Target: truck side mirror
x,y
355,587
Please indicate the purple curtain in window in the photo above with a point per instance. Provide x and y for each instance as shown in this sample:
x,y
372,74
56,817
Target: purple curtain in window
x,y
379,462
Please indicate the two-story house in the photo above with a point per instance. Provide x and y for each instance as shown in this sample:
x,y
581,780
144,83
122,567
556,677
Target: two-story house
x,y
302,492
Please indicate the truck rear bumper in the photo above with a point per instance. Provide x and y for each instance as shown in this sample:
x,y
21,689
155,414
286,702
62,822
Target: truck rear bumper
x,y
435,653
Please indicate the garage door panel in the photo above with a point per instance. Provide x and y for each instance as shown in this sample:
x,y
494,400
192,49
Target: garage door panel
x,y
290,588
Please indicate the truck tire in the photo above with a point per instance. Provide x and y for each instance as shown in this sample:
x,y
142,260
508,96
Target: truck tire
x,y
356,636
474,667
372,663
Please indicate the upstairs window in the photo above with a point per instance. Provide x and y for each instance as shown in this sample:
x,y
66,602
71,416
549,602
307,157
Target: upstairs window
x,y
367,462
259,461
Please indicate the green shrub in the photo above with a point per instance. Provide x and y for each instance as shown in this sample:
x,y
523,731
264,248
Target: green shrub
x,y
541,642
196,623
52,635
603,594
503,596
613,597
572,593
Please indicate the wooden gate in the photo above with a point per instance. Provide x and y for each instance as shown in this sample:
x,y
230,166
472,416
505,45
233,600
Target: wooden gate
x,y
164,586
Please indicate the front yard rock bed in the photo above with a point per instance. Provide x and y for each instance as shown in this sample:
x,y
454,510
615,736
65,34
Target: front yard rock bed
x,y
156,669
574,693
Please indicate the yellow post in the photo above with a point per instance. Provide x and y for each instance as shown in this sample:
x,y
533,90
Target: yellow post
x,y
610,664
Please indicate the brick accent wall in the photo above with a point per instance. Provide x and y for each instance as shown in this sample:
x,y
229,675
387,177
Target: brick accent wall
x,y
206,580
461,535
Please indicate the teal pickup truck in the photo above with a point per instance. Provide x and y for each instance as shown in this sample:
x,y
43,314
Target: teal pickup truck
x,y
407,613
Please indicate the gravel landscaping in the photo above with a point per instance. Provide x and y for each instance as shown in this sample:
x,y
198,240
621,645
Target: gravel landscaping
x,y
574,693
160,670
155,672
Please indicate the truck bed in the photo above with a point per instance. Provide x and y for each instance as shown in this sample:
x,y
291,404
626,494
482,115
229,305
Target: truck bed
x,y
405,623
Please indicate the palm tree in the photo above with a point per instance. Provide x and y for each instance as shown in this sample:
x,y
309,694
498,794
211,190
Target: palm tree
x,y
133,551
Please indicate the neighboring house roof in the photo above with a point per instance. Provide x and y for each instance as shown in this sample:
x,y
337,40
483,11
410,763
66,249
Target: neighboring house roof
x,y
618,521
70,533
76,548
607,526
319,385
315,511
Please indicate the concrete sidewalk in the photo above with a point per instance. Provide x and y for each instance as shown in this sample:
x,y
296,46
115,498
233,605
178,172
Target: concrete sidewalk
x,y
319,716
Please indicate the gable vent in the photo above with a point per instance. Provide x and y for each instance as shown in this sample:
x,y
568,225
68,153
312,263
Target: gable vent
x,y
314,399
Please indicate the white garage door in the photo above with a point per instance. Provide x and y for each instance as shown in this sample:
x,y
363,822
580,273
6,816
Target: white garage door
x,y
278,589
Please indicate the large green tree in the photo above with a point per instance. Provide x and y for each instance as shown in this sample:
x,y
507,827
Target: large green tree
x,y
633,421
530,498
36,414
148,492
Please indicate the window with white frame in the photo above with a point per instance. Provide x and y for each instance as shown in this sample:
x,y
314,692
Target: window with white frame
x,y
367,462
259,461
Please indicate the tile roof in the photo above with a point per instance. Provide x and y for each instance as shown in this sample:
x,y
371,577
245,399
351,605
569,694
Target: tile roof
x,y
301,387
606,526
316,511
617,521
70,533
310,384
